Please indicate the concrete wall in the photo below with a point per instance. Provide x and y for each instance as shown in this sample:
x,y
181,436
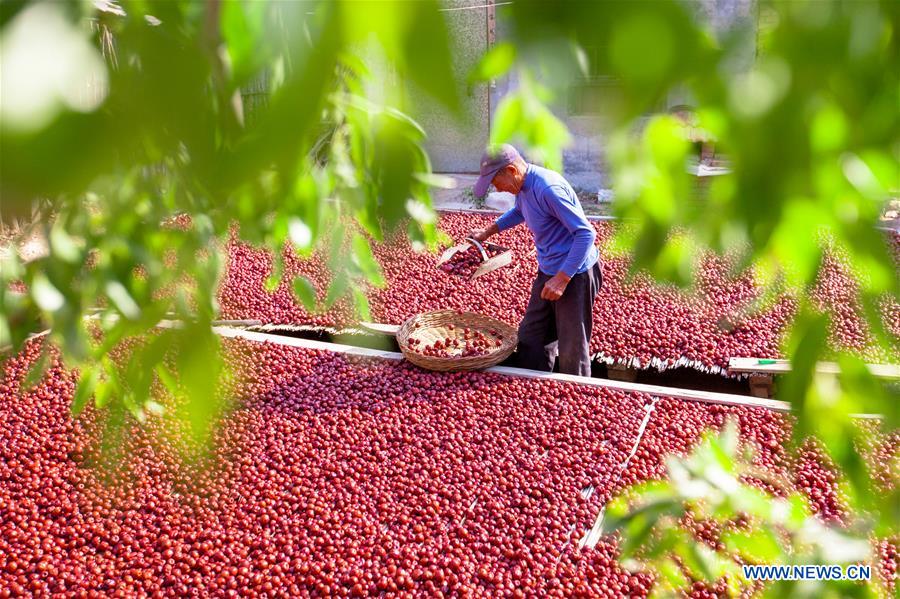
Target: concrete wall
x,y
583,160
455,146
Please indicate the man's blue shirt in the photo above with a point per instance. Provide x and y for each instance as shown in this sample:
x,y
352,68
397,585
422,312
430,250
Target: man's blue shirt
x,y
562,234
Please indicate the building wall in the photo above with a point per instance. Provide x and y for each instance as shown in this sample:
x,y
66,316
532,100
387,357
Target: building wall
x,y
457,149
455,144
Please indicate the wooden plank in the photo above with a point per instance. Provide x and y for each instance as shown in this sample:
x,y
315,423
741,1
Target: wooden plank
x,y
752,365
305,343
655,390
171,319
237,323
703,170
378,327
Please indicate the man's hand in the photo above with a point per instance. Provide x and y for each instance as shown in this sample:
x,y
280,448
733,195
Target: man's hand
x,y
555,287
483,234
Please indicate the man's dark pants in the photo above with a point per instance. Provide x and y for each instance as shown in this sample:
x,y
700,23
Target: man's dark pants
x,y
564,324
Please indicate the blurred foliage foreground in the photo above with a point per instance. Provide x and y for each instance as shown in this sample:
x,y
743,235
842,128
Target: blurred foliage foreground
x,y
126,117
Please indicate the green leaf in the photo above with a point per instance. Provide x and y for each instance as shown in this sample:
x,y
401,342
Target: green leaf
x,y
665,143
154,407
46,296
141,366
797,511
103,393
167,379
695,565
507,119
90,376
496,62
6,337
673,574
725,446
638,528
405,125
300,234
648,511
130,401
273,281
355,64
122,299
801,254
421,212
758,545
11,267
864,393
363,258
828,130
337,288
200,366
752,501
304,290
8,10
361,303
426,50
395,163
63,245
808,338
298,101
664,541
435,180
633,35
369,221
243,26
36,371
523,115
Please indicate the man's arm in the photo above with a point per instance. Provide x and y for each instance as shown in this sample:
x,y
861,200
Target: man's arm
x,y
483,234
507,220
570,214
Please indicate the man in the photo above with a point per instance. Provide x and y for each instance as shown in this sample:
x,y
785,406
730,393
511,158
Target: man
x,y
559,315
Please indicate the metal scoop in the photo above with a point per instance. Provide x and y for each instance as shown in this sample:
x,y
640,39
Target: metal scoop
x,y
488,264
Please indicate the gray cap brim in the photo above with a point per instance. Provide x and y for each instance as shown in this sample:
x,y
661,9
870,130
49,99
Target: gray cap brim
x,y
484,181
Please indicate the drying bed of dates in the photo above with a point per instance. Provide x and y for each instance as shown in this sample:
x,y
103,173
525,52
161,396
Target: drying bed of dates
x,y
336,475
637,322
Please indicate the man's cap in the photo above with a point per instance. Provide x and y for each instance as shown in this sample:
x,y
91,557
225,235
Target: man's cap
x,y
493,160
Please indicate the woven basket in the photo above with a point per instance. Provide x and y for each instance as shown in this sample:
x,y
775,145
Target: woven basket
x,y
432,326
